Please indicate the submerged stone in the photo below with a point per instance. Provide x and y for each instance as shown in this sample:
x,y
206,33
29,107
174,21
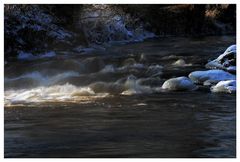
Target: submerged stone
x,y
129,61
29,56
93,64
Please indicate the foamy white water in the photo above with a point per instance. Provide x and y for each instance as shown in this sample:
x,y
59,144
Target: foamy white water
x,y
56,93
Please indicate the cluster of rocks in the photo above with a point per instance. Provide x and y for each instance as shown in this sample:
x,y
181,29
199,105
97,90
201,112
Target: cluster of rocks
x,y
220,78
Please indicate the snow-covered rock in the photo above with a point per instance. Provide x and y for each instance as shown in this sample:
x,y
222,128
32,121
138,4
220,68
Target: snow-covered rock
x,y
232,48
211,75
179,84
226,61
228,86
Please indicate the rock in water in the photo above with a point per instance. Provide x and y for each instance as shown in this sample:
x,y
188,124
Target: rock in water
x,y
179,84
213,75
228,86
226,61
93,64
129,61
180,63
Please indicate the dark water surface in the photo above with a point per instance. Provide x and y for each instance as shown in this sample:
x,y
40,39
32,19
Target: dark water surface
x,y
161,124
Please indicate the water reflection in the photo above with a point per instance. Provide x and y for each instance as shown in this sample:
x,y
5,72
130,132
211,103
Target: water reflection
x,y
164,127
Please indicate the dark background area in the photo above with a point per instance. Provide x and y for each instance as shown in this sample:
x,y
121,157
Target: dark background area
x,y
25,28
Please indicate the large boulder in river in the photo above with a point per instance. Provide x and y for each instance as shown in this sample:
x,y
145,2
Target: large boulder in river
x,y
213,76
226,61
179,84
228,86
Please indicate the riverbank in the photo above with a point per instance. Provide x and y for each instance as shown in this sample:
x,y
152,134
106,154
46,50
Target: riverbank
x,y
85,27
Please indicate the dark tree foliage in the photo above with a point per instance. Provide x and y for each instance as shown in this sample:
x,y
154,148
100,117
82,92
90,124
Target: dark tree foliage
x,y
25,28
184,19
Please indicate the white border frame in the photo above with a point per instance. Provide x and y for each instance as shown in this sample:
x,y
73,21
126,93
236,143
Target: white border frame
x,y
109,2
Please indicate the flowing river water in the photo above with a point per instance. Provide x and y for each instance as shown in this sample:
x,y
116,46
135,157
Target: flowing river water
x,y
109,103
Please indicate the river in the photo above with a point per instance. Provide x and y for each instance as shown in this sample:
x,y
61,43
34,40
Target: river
x,y
108,103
